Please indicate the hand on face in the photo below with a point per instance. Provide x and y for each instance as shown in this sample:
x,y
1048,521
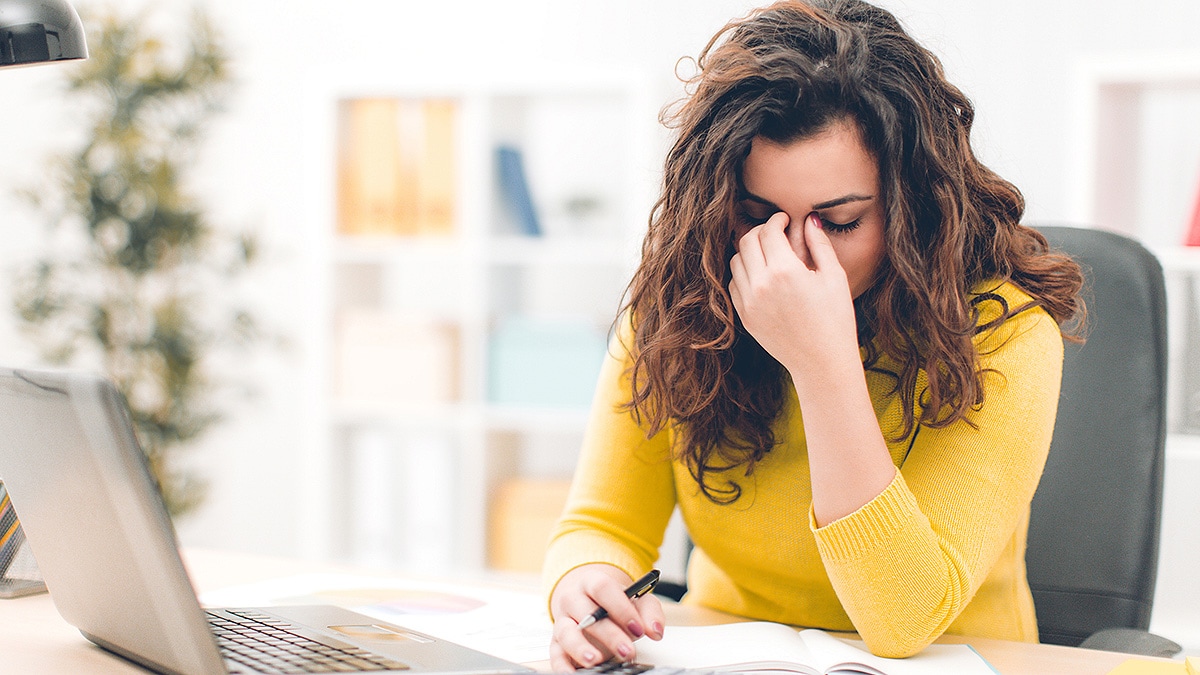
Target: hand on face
x,y
791,292
577,595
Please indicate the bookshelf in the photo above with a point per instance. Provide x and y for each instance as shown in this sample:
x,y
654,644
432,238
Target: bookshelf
x,y
1136,171
453,345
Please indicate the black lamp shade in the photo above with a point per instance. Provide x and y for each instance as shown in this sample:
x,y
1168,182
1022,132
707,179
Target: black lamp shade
x,y
39,31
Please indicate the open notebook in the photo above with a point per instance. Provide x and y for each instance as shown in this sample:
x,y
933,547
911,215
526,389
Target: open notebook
x,y
762,647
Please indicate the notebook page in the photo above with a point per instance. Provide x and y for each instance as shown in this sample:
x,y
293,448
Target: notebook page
x,y
727,645
933,660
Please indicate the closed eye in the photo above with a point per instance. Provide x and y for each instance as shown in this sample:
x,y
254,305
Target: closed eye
x,y
754,219
840,228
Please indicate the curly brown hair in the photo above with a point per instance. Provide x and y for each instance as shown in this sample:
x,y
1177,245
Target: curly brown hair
x,y
785,73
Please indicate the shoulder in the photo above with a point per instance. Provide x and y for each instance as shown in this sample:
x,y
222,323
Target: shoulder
x,y
993,298
1008,318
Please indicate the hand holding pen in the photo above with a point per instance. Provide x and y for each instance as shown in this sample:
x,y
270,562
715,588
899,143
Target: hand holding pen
x,y
636,590
598,617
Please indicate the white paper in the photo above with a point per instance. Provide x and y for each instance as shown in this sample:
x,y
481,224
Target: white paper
x,y
510,624
764,647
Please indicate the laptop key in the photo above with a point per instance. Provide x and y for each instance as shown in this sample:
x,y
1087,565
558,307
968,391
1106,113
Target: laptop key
x,y
265,644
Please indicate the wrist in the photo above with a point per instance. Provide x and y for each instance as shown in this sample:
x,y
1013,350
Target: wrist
x,y
826,372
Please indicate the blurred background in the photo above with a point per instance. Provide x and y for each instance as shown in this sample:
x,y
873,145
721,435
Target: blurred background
x,y
445,200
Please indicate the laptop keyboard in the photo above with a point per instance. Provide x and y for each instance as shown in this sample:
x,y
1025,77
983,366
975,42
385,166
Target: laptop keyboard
x,y
253,642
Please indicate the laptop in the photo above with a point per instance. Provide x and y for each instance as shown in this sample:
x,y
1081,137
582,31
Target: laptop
x,y
104,544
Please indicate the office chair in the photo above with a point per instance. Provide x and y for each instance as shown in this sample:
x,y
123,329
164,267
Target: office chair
x,y
1094,531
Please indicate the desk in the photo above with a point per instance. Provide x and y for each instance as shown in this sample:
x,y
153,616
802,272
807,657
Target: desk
x,y
34,639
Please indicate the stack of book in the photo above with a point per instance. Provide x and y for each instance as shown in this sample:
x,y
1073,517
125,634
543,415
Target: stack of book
x,y
543,362
396,166
390,357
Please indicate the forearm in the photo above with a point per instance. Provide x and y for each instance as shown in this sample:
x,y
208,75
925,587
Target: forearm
x,y
906,564
848,458
899,582
873,538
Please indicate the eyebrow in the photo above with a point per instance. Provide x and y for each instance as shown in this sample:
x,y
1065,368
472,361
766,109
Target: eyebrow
x,y
846,199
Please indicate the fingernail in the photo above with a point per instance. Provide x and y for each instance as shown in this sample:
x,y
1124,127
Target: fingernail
x,y
624,651
817,221
635,629
658,628
589,657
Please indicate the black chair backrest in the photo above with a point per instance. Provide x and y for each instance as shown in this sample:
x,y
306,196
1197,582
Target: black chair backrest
x,y
1094,530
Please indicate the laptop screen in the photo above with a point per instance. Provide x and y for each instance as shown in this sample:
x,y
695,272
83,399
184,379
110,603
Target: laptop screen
x,y
95,521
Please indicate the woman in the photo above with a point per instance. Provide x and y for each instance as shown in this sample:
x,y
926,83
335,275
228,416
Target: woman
x,y
840,357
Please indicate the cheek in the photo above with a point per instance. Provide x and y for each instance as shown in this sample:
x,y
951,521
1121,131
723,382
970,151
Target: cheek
x,y
861,259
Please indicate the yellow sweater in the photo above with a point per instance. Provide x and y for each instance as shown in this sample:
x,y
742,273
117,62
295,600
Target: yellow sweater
x,y
942,549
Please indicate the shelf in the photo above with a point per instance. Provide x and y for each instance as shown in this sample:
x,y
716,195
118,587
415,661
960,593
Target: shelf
x,y
1135,145
380,250
522,419
396,413
500,250
1178,258
1162,69
535,419
518,250
1184,444
435,310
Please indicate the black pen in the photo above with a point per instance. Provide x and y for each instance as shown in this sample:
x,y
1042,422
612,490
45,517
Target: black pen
x,y
636,590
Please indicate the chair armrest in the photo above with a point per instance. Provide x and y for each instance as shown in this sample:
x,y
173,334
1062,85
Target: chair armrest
x,y
671,590
1131,641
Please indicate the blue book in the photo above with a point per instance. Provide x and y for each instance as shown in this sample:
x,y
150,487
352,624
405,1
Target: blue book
x,y
544,362
514,190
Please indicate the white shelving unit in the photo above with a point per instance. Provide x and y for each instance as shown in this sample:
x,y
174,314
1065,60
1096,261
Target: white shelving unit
x,y
1136,146
1137,171
407,479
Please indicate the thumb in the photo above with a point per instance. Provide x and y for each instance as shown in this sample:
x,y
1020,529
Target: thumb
x,y
819,247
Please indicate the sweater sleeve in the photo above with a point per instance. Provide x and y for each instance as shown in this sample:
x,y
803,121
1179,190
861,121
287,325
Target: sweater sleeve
x,y
623,492
906,563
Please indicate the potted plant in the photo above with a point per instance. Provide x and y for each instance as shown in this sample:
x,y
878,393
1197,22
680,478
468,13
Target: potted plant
x,y
134,280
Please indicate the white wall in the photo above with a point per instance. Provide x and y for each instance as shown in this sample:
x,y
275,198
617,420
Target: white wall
x,y
1015,59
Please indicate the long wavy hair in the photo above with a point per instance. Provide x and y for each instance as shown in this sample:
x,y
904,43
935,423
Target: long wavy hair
x,y
785,73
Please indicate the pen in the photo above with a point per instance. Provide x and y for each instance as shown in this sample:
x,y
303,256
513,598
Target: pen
x,y
636,590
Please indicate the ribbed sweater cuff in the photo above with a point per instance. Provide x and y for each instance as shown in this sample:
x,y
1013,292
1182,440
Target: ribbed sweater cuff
x,y
872,525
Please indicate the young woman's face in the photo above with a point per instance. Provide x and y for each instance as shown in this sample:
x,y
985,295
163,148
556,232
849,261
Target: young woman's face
x,y
831,174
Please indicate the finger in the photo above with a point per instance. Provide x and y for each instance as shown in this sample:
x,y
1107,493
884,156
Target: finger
x,y
796,237
614,634
736,296
560,662
777,248
653,618
577,648
738,279
819,246
621,611
750,249
611,639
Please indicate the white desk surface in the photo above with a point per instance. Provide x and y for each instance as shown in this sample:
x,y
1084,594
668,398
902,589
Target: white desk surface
x,y
34,639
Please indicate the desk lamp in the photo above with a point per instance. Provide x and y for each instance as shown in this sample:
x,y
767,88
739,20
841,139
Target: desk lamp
x,y
32,32
39,31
